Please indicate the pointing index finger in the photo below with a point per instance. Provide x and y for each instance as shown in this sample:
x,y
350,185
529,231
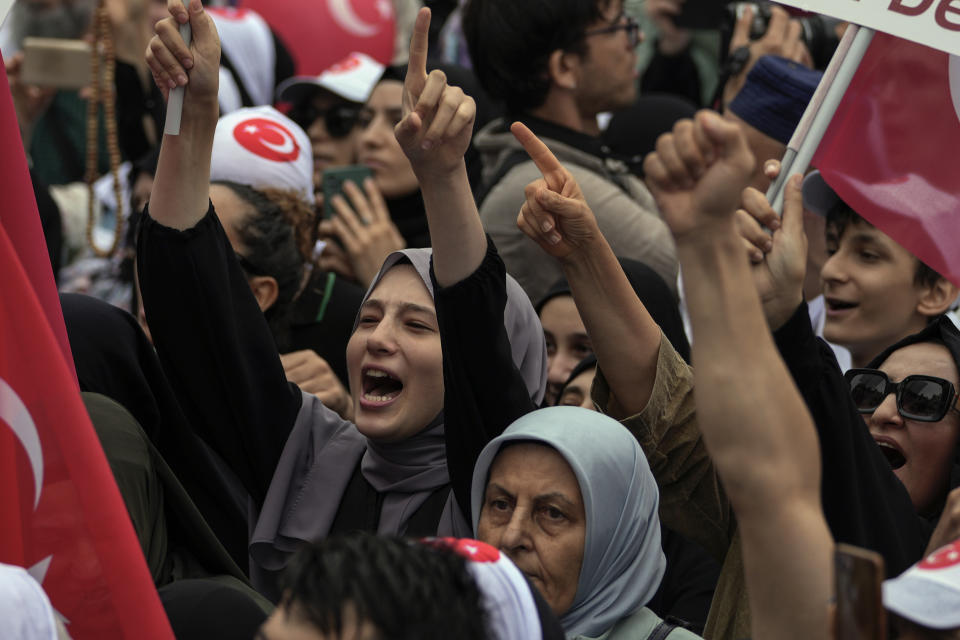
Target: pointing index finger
x,y
419,43
542,156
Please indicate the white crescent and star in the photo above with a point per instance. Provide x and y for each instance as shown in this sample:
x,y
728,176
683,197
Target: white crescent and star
x,y
15,413
288,146
344,15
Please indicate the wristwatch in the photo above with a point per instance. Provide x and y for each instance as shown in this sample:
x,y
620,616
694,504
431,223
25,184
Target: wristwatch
x,y
736,61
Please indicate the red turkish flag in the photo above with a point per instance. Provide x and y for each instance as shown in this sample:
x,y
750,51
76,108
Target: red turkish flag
x,y
19,218
61,515
890,149
319,33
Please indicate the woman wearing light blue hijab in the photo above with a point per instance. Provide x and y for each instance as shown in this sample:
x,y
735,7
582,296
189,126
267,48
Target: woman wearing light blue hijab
x,y
568,495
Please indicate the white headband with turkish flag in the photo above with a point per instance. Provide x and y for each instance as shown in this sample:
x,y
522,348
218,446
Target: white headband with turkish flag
x,y
928,593
511,608
261,147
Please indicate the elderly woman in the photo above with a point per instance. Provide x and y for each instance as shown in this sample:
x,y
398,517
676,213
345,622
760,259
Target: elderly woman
x,y
568,495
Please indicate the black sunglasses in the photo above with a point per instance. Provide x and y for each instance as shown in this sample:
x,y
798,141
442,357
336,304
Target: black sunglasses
x,y
920,398
339,120
625,23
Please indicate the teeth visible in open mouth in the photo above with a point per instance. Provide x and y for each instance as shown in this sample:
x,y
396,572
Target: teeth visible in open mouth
x,y
380,386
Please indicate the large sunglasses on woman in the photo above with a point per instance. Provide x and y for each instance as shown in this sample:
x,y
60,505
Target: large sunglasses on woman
x,y
339,119
920,398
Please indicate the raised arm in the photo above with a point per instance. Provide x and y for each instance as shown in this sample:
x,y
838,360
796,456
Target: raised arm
x,y
435,132
483,389
754,422
211,337
624,336
181,187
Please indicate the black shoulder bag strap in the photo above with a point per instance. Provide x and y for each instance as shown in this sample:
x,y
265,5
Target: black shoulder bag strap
x,y
661,631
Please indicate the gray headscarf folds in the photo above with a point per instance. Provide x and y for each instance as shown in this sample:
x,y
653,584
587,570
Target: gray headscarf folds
x,y
323,450
623,562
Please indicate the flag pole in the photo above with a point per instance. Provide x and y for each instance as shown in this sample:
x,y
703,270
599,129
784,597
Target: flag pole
x,y
816,119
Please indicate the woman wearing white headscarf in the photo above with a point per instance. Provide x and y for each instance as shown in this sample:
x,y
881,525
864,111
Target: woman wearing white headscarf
x,y
568,495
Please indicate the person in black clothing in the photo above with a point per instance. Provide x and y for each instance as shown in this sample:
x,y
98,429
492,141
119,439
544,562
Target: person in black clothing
x,y
113,357
308,472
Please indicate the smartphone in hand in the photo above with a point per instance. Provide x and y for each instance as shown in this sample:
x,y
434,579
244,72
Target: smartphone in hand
x,y
859,583
333,180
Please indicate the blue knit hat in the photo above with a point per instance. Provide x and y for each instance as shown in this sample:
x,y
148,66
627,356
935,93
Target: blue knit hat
x,y
775,96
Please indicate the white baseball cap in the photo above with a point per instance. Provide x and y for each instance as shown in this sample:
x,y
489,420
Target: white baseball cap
x,y
261,147
353,79
928,593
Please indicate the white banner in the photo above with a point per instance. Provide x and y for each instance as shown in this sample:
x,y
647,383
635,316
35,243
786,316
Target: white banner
x,y
934,23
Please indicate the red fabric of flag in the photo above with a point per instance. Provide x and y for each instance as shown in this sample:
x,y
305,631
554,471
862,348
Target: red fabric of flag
x,y
890,151
20,220
61,515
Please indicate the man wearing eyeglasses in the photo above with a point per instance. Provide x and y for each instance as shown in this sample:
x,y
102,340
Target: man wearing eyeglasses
x,y
557,64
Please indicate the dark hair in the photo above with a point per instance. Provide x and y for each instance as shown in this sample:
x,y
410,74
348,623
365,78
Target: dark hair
x,y
510,42
404,589
841,215
278,237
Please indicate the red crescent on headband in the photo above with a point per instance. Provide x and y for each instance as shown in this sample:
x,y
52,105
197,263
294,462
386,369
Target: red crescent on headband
x,y
943,558
268,139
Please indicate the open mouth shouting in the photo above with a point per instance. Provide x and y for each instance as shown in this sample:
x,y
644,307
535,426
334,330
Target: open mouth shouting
x,y
892,451
380,387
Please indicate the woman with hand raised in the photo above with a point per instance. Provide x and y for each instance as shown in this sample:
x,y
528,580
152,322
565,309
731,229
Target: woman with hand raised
x,y
308,472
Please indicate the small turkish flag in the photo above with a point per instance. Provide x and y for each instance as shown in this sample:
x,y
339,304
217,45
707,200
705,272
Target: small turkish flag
x,y
61,515
890,149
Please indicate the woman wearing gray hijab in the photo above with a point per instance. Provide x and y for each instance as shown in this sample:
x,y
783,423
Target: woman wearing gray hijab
x,y
567,493
308,472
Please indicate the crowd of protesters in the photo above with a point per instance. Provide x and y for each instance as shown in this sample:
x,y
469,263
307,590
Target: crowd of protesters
x,y
547,364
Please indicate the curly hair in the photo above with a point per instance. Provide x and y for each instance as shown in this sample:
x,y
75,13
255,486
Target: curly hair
x,y
278,235
404,589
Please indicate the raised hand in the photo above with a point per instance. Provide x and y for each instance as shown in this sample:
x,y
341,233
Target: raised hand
x,y
779,273
364,229
697,174
437,119
784,38
556,215
173,64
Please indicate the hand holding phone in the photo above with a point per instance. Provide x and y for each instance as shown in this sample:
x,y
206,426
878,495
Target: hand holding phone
x,y
333,181
859,580
361,225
